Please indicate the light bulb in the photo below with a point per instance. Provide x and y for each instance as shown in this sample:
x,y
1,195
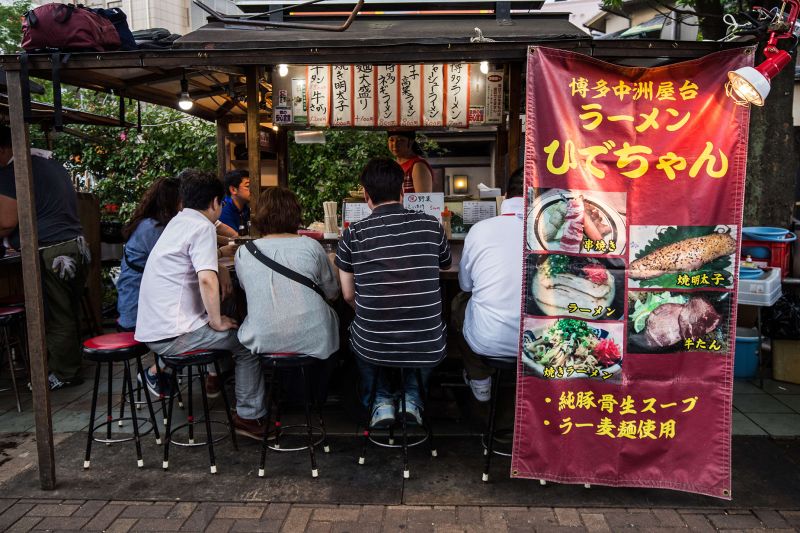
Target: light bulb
x,y
283,70
752,84
185,102
484,67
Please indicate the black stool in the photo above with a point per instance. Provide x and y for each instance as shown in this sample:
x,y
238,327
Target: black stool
x,y
404,423
116,348
190,360
277,363
499,364
13,318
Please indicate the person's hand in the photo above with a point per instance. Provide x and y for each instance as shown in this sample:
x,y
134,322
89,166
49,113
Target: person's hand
x,y
225,283
228,250
225,323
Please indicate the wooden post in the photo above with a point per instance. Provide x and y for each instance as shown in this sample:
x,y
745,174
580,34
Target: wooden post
x,y
32,281
515,99
222,149
282,152
253,147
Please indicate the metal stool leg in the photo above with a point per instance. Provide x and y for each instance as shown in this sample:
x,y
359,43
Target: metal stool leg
x,y
168,425
141,371
161,397
207,417
93,413
406,472
127,379
490,430
370,407
227,407
190,416
425,422
306,401
7,347
272,381
123,398
277,399
325,446
109,416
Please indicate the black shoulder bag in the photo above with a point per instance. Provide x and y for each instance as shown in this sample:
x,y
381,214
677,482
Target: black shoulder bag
x,y
280,269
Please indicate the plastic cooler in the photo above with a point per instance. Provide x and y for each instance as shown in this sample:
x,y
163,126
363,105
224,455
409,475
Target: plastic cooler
x,y
745,363
769,253
764,291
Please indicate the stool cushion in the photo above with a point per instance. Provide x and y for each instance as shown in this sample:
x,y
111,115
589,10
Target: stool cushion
x,y
194,357
13,301
279,360
113,347
10,314
500,363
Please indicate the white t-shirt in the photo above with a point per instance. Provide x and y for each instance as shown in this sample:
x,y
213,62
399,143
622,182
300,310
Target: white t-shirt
x,y
169,298
491,267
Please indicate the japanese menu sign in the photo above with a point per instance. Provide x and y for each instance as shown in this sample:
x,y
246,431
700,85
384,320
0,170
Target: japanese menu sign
x,y
364,101
433,95
341,102
410,95
430,203
387,88
634,187
458,95
319,84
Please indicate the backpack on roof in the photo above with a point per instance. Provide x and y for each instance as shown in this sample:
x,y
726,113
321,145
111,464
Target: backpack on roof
x,y
67,27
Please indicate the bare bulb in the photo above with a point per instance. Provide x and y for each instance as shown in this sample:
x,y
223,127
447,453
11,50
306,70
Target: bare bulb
x,y
283,70
484,67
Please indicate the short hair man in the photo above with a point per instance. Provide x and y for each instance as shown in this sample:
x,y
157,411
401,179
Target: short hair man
x,y
236,205
491,269
63,250
389,271
179,301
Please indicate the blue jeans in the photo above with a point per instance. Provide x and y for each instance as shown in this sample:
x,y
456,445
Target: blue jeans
x,y
384,394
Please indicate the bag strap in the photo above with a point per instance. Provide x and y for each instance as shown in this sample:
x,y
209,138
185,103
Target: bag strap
x,y
26,87
135,268
58,119
280,269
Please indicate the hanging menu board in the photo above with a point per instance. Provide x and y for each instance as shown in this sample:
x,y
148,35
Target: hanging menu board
x,y
410,95
458,95
433,95
319,90
387,94
494,97
342,99
364,102
299,109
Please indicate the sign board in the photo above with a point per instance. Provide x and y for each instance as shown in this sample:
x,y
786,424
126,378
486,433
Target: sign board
x,y
494,97
433,95
364,102
388,87
342,99
411,95
281,116
319,94
458,95
431,203
299,102
355,211
474,212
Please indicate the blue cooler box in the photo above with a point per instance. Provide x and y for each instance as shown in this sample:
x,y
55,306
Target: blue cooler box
x,y
745,364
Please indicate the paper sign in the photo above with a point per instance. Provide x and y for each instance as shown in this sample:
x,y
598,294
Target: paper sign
x,y
494,97
474,212
458,95
387,89
364,101
476,114
283,98
430,203
281,116
319,90
299,100
355,211
342,101
410,95
433,95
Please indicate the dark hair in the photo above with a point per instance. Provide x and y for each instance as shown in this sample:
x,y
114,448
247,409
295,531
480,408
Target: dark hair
x,y
516,183
382,178
159,202
199,188
234,179
278,211
5,136
411,135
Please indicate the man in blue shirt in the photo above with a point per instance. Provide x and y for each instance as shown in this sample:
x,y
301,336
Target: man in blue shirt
x,y
235,207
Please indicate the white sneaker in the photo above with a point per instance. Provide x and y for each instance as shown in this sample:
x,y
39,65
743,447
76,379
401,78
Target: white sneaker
x,y
481,388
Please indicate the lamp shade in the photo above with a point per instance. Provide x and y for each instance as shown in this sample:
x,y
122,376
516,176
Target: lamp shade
x,y
752,84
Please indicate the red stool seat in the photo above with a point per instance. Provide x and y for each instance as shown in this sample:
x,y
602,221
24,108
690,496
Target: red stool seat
x,y
194,357
9,314
113,347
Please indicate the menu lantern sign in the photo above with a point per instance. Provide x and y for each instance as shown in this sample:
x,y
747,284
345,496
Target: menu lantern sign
x,y
411,95
319,90
387,95
433,95
458,95
342,100
364,101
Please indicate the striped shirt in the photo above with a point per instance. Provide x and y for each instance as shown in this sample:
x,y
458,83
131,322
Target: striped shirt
x,y
395,256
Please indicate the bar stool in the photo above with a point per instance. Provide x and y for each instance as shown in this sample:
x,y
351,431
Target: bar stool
x,y
367,435
190,360
13,318
109,349
277,363
499,364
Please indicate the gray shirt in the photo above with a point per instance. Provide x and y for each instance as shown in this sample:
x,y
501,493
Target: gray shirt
x,y
284,316
56,201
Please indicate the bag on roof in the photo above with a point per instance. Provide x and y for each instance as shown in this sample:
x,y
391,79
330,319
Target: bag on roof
x,y
67,27
118,18
154,38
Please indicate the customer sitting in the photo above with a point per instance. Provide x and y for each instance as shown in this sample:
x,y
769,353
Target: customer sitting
x,y
236,205
283,316
389,270
491,270
179,302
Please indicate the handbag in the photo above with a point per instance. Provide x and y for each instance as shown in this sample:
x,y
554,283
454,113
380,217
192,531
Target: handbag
x,y
280,269
67,27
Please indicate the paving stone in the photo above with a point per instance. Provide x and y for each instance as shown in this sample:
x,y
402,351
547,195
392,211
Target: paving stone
x,y
158,524
433,516
623,519
90,508
449,528
14,513
182,510
661,529
698,523
121,525
395,515
532,518
104,517
468,515
772,519
202,517
39,500
372,513
255,525
149,511
568,516
63,522
49,509
595,522
668,517
296,520
355,527
336,515
219,525
73,502
553,529
26,523
793,517
276,511
240,511
6,503
735,521
318,527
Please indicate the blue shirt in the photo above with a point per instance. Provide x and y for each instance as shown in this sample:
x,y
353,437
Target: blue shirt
x,y
231,216
137,250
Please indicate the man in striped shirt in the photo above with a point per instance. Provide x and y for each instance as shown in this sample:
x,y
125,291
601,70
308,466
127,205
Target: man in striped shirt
x,y
389,270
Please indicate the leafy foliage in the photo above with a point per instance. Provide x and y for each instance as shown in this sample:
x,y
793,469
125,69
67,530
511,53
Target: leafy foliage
x,y
10,25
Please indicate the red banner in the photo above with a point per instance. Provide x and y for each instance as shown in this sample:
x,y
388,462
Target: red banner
x,y
634,193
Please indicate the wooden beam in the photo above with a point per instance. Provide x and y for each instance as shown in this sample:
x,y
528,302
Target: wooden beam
x,y
282,150
222,151
32,282
515,99
253,151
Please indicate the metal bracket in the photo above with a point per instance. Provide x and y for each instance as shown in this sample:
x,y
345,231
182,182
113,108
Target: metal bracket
x,y
253,20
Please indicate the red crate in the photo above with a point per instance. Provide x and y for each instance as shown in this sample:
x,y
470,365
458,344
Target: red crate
x,y
778,254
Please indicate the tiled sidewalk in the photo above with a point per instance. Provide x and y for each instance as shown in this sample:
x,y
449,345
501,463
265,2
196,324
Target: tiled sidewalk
x,y
122,516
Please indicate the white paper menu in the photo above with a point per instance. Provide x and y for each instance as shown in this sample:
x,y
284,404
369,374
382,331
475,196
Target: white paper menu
x,y
387,93
342,100
474,212
433,95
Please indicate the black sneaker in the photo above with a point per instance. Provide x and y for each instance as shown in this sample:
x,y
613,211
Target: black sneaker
x,y
56,383
157,387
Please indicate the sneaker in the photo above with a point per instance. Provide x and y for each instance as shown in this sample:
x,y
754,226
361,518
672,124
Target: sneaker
x,y
413,413
155,386
481,388
212,386
382,416
56,383
253,429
